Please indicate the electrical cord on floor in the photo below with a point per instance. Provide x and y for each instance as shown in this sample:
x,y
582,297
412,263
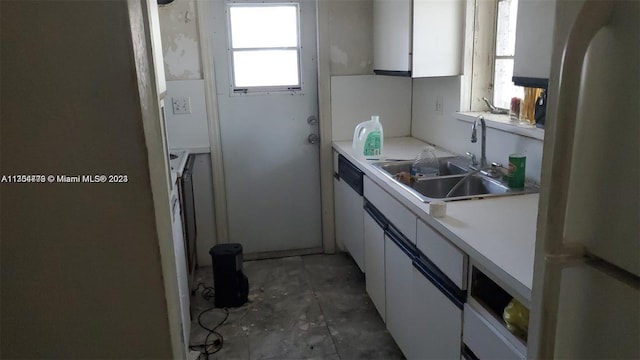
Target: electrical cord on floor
x,y
205,348
207,291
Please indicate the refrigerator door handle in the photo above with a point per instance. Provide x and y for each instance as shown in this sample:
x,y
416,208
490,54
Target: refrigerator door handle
x,y
570,254
613,271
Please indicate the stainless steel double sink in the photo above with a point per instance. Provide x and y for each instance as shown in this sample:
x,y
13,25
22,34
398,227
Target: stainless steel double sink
x,y
452,172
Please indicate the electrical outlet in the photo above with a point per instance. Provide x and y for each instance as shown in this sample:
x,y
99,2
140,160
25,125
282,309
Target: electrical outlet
x,y
439,104
181,105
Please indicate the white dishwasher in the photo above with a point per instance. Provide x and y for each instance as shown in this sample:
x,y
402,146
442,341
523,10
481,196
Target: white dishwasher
x,y
349,211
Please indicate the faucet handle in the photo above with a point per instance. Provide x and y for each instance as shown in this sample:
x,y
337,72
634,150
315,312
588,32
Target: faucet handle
x,y
496,171
472,157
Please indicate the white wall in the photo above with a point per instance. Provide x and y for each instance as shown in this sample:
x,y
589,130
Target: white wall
x,y
446,131
187,131
355,98
81,266
350,37
205,213
180,40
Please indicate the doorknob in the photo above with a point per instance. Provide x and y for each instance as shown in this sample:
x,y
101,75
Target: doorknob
x,y
312,120
313,138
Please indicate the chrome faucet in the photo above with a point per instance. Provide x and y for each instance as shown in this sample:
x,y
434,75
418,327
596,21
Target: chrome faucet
x,y
483,145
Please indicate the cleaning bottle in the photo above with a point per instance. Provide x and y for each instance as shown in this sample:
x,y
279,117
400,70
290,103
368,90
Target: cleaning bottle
x,y
368,139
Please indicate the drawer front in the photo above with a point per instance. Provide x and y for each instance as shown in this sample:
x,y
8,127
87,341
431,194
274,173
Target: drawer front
x,y
396,213
448,258
484,340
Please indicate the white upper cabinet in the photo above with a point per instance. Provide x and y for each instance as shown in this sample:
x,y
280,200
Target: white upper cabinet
x,y
534,42
421,38
392,37
438,37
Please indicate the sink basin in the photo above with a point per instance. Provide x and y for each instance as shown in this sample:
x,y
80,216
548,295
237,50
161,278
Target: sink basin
x,y
452,170
448,166
437,188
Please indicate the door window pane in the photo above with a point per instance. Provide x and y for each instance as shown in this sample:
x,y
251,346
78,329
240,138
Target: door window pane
x,y
264,47
264,26
255,68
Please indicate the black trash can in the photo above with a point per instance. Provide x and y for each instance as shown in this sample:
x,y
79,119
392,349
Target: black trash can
x,y
230,284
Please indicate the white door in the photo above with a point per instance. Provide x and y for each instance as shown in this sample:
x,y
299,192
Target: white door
x,y
266,77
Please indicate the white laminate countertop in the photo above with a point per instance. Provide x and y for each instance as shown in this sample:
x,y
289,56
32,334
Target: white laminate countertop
x,y
497,233
178,163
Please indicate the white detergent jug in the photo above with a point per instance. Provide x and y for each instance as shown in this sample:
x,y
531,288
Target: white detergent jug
x,y
368,139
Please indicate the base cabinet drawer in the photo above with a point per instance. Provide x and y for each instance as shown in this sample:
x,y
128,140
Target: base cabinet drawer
x,y
448,258
484,340
398,215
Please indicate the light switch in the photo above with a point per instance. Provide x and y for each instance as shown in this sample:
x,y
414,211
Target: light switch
x,y
181,105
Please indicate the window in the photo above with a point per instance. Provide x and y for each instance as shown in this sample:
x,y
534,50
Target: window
x,y
264,47
493,35
505,44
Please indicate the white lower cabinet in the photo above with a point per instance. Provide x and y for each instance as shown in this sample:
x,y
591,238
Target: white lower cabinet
x,y
398,285
374,259
348,215
485,340
436,322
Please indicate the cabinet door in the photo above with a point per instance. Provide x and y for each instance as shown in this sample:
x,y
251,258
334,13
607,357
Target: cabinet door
x,y
392,35
438,37
534,40
398,285
437,322
349,221
374,263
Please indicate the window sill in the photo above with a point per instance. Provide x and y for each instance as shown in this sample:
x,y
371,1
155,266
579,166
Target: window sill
x,y
502,122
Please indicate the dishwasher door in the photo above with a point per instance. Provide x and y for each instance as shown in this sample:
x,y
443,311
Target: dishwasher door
x,y
349,212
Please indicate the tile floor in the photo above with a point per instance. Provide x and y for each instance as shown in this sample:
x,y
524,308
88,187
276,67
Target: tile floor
x,y
302,307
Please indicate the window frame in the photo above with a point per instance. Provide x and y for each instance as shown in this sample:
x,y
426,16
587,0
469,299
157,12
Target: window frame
x,y
478,77
481,60
244,90
497,57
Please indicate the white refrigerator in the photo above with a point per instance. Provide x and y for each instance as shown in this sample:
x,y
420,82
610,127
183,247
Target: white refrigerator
x,y
586,297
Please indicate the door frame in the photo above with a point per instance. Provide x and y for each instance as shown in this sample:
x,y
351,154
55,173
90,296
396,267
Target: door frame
x,y
205,30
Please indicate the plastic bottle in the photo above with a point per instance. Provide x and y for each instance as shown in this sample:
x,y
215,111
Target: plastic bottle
x,y
368,139
426,163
